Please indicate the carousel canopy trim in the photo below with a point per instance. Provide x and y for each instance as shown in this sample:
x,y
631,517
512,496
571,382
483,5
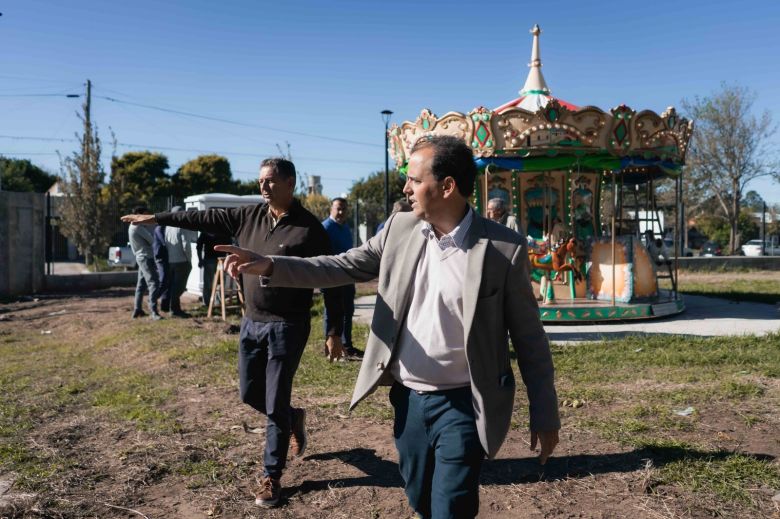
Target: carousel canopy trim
x,y
555,132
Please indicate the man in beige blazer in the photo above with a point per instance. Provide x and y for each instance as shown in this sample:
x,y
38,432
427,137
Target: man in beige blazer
x,y
451,285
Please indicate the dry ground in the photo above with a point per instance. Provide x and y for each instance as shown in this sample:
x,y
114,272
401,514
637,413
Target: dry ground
x,y
103,416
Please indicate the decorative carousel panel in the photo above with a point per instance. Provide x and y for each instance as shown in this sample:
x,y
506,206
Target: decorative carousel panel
x,y
583,216
600,273
499,185
553,126
542,202
452,123
482,141
619,134
591,122
654,138
645,278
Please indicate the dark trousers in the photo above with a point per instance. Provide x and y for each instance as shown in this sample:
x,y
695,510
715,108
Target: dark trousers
x,y
163,271
209,269
348,300
439,452
268,356
178,273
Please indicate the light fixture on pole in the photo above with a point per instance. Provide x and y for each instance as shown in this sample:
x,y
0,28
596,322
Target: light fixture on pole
x,y
386,118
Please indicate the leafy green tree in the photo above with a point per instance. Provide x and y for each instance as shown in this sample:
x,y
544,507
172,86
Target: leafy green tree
x,y
84,207
369,195
753,201
318,205
203,174
138,177
718,229
24,176
245,187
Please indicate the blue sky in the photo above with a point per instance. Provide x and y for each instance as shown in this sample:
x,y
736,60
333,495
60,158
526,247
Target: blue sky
x,y
326,69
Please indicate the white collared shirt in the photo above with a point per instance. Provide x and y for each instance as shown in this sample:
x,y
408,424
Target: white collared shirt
x,y
432,346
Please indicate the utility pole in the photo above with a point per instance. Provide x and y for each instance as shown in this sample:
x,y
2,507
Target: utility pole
x,y
89,101
86,144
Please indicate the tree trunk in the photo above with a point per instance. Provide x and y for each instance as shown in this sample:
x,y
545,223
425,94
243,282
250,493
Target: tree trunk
x,y
734,216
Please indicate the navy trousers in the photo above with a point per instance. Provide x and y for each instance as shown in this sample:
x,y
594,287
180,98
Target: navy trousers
x,y
163,272
268,356
439,451
348,300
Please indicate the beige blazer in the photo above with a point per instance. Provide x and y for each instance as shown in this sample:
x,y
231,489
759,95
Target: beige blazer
x,y
497,299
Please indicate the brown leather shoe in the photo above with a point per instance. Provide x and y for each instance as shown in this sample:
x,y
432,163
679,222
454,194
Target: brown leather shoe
x,y
268,492
298,432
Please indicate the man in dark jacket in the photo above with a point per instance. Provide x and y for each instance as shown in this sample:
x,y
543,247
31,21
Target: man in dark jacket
x,y
277,322
207,259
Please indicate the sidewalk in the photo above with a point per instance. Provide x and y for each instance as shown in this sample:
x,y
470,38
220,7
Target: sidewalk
x,y
704,316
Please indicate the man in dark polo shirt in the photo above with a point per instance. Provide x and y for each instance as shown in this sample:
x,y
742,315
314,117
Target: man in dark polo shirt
x,y
277,322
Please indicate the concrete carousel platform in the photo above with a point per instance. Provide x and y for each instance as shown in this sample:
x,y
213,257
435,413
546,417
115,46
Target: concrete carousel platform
x,y
703,316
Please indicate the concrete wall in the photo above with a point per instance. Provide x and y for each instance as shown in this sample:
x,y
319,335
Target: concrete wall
x,y
80,283
727,263
22,242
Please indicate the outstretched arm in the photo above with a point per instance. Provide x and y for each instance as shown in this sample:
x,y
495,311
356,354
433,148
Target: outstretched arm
x,y
139,219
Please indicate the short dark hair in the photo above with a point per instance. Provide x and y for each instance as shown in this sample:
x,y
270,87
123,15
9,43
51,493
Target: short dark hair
x,y
451,158
282,166
338,199
140,209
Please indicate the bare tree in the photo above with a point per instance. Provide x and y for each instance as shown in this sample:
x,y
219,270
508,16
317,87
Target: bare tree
x,y
84,207
730,148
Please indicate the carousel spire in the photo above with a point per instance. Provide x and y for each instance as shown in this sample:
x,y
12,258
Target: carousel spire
x,y
535,83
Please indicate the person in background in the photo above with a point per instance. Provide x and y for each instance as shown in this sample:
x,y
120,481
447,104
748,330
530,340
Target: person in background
x,y
141,243
399,206
179,243
340,235
161,260
207,259
496,211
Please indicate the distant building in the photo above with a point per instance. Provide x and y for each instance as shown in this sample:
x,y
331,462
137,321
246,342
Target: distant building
x,y
315,185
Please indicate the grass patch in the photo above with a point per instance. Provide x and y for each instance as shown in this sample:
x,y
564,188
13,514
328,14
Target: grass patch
x,y
725,475
135,397
673,359
765,289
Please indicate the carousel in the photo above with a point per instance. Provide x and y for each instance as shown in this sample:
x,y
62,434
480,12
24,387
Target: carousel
x,y
583,186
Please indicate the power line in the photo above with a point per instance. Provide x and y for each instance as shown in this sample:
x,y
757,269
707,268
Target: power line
x,y
238,123
190,150
40,95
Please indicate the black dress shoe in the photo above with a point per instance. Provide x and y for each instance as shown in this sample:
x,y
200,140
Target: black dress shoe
x,y
353,353
181,314
138,313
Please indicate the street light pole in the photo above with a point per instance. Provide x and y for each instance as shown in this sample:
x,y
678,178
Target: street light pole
x,y
386,118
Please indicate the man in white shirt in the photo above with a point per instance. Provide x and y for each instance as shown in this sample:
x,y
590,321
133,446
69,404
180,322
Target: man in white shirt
x,y
451,287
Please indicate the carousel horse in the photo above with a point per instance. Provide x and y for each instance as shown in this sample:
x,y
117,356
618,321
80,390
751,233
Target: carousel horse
x,y
555,260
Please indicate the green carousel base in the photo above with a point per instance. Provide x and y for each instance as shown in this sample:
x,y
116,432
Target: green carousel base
x,y
588,310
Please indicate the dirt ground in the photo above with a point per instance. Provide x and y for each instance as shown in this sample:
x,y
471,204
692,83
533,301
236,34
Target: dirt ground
x,y
349,469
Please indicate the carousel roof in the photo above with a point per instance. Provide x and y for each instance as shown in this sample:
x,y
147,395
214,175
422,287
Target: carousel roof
x,y
537,132
535,93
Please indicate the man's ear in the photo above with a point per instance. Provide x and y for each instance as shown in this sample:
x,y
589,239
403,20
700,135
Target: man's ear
x,y
449,187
